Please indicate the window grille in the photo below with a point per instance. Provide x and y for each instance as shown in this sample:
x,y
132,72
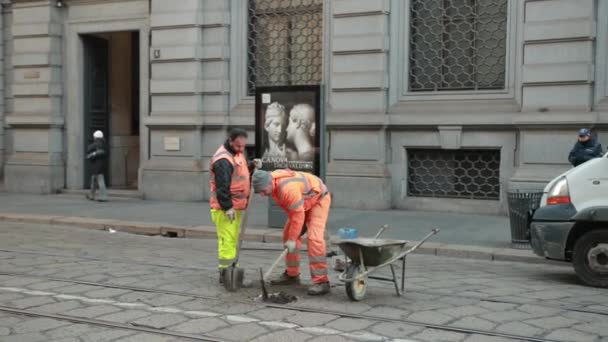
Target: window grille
x,y
457,44
469,174
284,43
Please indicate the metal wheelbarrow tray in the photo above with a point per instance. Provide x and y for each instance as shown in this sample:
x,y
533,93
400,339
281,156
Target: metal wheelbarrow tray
x,y
370,254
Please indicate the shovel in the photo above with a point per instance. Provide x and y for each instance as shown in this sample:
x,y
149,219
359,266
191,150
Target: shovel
x,y
265,296
274,264
234,275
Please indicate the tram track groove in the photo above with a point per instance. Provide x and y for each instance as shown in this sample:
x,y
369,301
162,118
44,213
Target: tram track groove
x,y
106,324
482,299
300,309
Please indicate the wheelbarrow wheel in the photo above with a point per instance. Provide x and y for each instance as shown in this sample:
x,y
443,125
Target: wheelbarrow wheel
x,y
356,289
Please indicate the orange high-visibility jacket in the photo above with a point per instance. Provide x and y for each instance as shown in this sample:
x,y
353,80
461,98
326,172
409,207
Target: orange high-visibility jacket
x,y
296,192
240,184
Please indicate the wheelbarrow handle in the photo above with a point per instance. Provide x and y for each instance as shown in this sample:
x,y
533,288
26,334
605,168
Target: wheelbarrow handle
x,y
428,236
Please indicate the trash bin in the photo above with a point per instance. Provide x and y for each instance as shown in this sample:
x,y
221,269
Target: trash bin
x,y
521,204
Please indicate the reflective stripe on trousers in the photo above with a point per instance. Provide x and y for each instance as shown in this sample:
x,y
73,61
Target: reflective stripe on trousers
x,y
227,236
316,219
292,260
224,263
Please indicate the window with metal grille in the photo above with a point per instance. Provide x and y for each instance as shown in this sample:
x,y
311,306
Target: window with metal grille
x,y
470,174
457,44
284,42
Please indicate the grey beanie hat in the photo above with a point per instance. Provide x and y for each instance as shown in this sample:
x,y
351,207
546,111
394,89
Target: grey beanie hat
x,y
260,180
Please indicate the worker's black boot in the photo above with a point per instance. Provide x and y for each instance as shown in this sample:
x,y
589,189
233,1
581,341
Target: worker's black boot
x,y
319,289
222,272
285,279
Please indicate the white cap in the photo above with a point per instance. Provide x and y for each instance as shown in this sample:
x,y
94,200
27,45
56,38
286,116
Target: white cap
x,y
98,135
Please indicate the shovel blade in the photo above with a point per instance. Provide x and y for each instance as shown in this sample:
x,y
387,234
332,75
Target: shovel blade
x,y
233,278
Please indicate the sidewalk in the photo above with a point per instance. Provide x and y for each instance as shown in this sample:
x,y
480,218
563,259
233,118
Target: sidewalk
x,y
463,235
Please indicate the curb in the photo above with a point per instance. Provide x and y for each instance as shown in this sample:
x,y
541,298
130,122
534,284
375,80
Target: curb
x,y
265,236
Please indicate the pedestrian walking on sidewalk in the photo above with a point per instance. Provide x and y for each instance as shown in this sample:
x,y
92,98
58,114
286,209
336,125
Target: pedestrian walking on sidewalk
x,y
230,186
97,156
306,200
585,149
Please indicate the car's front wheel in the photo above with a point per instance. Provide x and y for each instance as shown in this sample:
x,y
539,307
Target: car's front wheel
x,y
590,258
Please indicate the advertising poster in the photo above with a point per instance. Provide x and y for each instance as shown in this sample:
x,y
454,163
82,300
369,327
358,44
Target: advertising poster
x,y
288,127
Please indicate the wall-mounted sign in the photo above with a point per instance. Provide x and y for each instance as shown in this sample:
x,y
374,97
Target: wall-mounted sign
x,y
31,74
172,143
288,127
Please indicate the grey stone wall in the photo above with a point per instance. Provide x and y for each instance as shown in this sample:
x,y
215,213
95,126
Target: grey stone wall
x,y
551,91
82,18
6,72
556,82
36,159
3,13
189,92
357,51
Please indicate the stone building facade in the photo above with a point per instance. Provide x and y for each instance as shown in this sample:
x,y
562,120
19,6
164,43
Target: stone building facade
x,y
436,105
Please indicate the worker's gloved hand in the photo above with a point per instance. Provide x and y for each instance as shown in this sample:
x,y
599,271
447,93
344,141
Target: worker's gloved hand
x,y
290,245
257,163
231,214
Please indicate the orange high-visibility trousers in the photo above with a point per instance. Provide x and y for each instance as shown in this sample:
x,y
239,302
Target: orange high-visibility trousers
x,y
316,220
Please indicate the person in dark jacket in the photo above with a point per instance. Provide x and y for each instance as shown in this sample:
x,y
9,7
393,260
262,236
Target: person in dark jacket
x,y
96,155
230,186
585,149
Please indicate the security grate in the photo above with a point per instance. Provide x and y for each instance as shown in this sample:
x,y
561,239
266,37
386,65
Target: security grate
x,y
457,44
470,174
285,43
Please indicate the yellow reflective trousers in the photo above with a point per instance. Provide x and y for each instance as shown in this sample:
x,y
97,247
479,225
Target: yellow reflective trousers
x,y
227,236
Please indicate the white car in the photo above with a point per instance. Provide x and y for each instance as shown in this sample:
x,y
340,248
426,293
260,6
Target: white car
x,y
571,223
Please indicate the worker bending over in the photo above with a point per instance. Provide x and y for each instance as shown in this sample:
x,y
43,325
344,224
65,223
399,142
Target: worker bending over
x,y
306,200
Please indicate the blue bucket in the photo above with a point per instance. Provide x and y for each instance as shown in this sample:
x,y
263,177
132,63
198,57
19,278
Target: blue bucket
x,y
348,233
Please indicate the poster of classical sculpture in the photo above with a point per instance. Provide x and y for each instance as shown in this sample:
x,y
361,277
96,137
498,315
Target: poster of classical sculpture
x,y
288,127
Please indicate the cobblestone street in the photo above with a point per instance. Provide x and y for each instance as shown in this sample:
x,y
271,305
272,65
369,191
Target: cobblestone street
x,y
67,284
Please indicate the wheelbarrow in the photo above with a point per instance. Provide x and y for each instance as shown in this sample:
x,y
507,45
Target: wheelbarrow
x,y
368,255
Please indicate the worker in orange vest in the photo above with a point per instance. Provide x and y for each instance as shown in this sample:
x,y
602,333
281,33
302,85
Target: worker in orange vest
x,y
230,185
306,200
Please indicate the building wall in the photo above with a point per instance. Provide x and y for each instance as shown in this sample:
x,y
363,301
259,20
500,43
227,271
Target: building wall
x,y
358,78
35,160
3,14
556,82
372,119
95,18
8,77
189,96
559,73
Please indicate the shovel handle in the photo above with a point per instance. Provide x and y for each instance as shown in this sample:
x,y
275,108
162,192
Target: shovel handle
x,y
380,231
243,224
267,274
